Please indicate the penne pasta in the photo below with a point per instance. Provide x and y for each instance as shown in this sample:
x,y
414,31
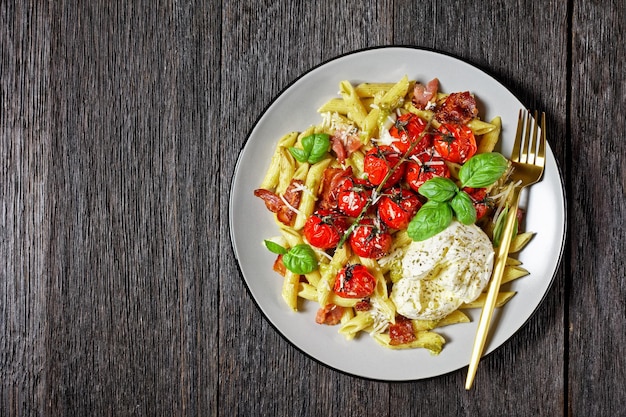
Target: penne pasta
x,y
519,241
455,317
356,109
490,138
480,127
290,289
328,274
394,98
501,299
287,169
312,183
358,323
428,340
373,89
272,175
512,272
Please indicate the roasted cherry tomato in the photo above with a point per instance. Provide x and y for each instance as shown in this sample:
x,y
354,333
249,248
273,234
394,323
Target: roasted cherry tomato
x,y
407,129
354,281
324,228
482,203
458,108
421,168
353,196
455,142
381,160
370,239
397,207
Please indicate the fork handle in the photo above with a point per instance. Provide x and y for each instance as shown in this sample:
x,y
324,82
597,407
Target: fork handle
x,y
494,288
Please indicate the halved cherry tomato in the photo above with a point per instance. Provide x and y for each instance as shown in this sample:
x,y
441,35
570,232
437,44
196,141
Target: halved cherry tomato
x,y
407,129
482,203
421,168
352,196
455,142
381,160
397,207
324,228
354,281
370,239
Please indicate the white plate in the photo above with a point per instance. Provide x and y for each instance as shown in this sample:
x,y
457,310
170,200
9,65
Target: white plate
x,y
250,222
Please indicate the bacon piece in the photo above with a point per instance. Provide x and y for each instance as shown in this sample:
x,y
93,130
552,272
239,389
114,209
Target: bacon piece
x,y
284,212
344,144
336,144
423,95
330,315
272,200
279,266
331,179
401,331
459,108
363,305
353,144
292,196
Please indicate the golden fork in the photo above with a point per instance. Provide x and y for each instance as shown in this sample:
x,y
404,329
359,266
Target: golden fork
x,y
528,160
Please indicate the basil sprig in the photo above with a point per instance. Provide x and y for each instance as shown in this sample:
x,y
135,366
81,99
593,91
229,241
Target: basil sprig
x,y
314,148
299,259
446,200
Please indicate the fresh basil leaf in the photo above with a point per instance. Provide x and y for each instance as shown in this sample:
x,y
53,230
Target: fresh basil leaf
x,y
300,259
438,189
314,148
275,247
463,207
319,147
433,217
482,170
307,143
300,154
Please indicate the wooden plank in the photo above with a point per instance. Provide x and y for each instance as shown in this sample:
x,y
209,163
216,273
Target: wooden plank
x,y
131,303
25,135
597,333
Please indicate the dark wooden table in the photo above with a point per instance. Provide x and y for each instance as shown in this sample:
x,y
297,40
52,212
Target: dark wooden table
x,y
120,127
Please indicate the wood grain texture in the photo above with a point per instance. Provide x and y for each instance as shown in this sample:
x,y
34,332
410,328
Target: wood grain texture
x,y
120,127
25,135
598,199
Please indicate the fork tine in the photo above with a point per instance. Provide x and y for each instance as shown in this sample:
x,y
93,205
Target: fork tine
x,y
541,154
526,139
535,135
515,154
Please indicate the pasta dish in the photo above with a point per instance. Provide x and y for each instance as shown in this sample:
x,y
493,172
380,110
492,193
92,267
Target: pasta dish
x,y
388,210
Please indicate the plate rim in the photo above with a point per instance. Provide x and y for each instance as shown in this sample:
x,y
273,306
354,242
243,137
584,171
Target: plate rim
x,y
255,123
